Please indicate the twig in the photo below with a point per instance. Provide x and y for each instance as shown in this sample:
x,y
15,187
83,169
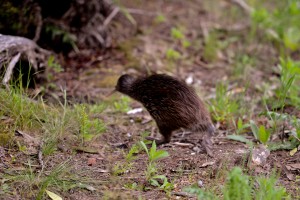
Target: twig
x,y
39,19
140,12
40,155
111,16
10,68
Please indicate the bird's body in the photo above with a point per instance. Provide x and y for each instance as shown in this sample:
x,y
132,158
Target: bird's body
x,y
171,103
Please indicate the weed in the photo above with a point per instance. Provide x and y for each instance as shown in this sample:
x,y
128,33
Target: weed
x,y
211,47
151,172
241,127
243,64
281,24
123,167
88,128
223,106
268,190
173,55
160,19
240,186
260,133
65,36
122,105
290,77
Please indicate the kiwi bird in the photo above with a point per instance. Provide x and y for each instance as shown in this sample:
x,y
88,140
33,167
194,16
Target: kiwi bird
x,y
170,102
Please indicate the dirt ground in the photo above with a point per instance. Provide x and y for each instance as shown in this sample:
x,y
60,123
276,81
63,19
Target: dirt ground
x,y
139,49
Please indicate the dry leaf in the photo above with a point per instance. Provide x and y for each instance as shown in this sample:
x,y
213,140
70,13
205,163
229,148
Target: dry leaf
x,y
53,196
292,152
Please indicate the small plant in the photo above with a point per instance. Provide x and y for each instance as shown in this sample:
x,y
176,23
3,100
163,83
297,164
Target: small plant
x,y
65,36
290,77
151,173
281,25
173,55
88,128
200,193
223,106
122,105
178,35
160,19
243,64
240,186
237,186
123,167
211,47
240,126
268,190
260,133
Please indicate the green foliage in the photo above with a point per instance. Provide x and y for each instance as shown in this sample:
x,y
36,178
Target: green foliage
x,y
65,36
53,64
223,106
20,109
211,47
135,149
242,65
160,19
290,80
122,105
268,190
173,55
240,187
260,133
177,34
88,128
237,186
151,173
123,167
200,193
281,23
240,126
241,138
34,184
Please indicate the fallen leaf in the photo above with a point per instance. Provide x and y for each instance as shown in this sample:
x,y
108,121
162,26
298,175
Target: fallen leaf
x,y
293,167
53,196
290,176
292,152
86,150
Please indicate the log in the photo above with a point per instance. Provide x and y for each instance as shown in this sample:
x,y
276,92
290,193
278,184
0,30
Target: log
x,y
14,49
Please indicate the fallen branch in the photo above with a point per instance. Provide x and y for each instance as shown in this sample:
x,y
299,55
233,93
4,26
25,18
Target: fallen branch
x,y
14,49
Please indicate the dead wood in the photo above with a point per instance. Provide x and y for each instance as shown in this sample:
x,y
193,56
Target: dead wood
x,y
14,49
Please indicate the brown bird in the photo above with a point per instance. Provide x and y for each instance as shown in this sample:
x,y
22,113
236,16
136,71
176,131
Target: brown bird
x,y
171,103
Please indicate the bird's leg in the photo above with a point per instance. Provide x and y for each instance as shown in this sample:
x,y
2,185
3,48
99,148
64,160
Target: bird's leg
x,y
207,144
166,133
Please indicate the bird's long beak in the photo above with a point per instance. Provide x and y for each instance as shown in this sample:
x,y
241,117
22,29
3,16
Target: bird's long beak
x,y
111,93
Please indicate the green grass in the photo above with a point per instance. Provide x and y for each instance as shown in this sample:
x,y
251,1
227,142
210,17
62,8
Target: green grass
x,y
240,186
46,125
